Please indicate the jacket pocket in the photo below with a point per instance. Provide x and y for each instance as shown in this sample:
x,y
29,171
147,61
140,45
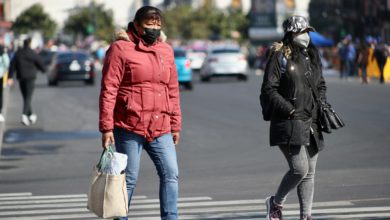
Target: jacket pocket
x,y
133,112
165,74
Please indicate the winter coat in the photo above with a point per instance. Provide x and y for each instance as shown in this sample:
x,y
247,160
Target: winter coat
x,y
288,92
140,89
26,62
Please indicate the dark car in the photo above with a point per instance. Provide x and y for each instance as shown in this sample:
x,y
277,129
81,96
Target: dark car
x,y
47,57
71,66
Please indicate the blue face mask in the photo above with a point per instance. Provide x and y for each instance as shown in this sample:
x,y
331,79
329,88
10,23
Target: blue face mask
x,y
302,40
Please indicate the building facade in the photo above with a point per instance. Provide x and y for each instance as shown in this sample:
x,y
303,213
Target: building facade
x,y
359,18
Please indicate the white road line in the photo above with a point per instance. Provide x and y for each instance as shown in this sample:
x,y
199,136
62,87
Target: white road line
x,y
48,211
356,216
45,197
28,205
253,208
183,199
258,203
52,217
49,201
350,210
74,207
135,201
15,194
44,206
54,197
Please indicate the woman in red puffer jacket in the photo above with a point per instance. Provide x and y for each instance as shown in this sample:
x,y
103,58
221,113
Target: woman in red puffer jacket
x,y
140,103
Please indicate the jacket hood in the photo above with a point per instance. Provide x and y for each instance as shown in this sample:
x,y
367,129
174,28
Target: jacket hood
x,y
130,35
122,35
280,47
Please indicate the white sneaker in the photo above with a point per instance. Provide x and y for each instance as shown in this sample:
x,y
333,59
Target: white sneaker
x,y
33,118
25,120
2,119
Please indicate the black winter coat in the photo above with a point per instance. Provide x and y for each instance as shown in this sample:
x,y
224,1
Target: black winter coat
x,y
26,63
289,91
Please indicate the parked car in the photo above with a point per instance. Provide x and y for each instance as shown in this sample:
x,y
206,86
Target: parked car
x,y
197,57
71,66
183,66
47,56
224,61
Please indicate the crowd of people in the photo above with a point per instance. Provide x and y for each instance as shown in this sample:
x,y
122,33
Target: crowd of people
x,y
352,58
355,58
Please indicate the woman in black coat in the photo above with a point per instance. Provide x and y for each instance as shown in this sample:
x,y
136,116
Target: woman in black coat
x,y
294,120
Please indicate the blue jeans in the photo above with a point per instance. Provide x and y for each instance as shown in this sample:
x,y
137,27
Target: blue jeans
x,y
163,154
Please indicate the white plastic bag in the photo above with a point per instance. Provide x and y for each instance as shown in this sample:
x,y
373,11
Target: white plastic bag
x,y
114,163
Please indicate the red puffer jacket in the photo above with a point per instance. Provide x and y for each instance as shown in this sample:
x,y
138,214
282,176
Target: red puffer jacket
x,y
140,89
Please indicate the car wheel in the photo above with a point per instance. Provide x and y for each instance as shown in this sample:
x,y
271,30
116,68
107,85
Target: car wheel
x,y
205,78
52,82
90,82
189,86
243,77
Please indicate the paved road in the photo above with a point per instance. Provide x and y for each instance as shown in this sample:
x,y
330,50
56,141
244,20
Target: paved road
x,y
227,168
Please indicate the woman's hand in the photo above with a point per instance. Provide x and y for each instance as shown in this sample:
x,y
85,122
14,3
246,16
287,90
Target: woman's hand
x,y
107,137
176,137
10,82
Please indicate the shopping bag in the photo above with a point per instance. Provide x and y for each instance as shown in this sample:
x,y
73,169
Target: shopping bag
x,y
107,196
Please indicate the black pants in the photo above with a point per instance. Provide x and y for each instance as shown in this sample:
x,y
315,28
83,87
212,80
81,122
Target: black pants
x,y
382,69
27,89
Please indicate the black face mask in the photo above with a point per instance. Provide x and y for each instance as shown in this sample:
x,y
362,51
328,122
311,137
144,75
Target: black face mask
x,y
151,35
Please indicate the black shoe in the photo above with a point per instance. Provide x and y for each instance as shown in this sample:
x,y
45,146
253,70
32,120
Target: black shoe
x,y
274,212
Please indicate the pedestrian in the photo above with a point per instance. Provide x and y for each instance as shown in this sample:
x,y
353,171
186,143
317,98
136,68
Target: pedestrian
x,y
381,52
4,64
343,54
294,120
351,59
26,63
140,104
362,60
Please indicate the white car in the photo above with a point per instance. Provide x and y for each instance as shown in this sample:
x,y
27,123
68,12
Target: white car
x,y
224,61
197,58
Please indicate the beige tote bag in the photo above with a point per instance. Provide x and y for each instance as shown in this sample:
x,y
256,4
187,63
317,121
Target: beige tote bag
x,y
107,196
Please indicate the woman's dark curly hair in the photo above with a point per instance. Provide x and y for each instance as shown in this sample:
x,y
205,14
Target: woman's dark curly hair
x,y
312,50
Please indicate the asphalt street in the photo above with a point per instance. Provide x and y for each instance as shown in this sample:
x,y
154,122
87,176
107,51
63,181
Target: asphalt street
x,y
224,153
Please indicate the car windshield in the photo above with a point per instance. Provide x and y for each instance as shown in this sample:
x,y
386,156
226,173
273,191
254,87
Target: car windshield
x,y
180,53
217,51
72,56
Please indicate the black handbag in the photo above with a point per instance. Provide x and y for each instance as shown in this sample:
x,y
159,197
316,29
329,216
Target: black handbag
x,y
328,119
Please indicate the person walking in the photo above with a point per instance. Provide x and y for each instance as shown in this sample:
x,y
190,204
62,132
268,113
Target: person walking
x,y
140,104
362,60
381,52
294,120
26,63
4,64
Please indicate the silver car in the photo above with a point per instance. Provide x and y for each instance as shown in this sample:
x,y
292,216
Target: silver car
x,y
224,61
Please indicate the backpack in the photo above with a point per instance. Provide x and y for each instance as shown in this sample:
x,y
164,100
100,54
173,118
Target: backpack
x,y
265,102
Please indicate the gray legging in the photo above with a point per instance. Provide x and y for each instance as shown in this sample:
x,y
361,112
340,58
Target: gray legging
x,y
302,162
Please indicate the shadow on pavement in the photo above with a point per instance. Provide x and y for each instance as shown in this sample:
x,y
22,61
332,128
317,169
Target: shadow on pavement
x,y
13,136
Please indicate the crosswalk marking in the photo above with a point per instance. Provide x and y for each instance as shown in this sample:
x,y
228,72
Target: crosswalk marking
x,y
25,206
14,194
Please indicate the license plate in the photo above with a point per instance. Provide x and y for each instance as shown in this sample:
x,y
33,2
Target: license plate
x,y
75,66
